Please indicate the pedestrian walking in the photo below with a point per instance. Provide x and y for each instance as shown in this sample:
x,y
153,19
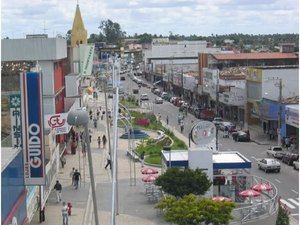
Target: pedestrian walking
x,y
108,162
95,122
142,158
76,177
90,138
64,212
167,119
71,175
181,126
287,143
99,141
104,140
58,189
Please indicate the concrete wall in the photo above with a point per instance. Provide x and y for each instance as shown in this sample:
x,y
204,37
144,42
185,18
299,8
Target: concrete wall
x,y
270,83
33,49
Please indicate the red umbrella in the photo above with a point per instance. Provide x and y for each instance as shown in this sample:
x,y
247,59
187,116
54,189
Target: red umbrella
x,y
249,193
150,178
149,170
262,187
221,198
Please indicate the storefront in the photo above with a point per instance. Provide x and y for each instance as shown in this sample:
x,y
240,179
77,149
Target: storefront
x,y
13,191
290,127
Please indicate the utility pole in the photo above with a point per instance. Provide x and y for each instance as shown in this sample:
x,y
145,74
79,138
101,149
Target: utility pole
x,y
217,111
279,112
246,107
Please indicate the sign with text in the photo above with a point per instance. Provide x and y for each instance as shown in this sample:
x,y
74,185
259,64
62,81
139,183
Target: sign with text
x,y
33,128
203,133
16,124
58,122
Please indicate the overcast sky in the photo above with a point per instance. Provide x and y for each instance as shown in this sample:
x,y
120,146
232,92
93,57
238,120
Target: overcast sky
x,y
183,17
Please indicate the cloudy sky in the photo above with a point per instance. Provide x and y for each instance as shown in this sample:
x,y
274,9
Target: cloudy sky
x,y
183,17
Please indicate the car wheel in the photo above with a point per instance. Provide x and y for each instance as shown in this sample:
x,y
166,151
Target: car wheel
x,y
266,170
278,171
295,167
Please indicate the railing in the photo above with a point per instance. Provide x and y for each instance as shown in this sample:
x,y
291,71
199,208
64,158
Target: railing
x,y
255,208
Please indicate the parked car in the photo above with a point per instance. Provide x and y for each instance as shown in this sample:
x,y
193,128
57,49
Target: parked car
x,y
296,165
163,94
217,121
276,152
240,136
135,91
268,164
122,78
184,106
144,97
289,158
158,100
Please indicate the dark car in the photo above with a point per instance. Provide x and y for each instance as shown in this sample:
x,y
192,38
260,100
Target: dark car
x,y
135,91
241,136
122,78
289,158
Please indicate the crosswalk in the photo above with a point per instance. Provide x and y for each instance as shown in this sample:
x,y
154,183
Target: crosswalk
x,y
290,202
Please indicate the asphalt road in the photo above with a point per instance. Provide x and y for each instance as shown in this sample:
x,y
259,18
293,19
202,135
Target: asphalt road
x,y
287,181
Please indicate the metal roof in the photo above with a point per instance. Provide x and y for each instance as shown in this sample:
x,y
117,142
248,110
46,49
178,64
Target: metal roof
x,y
263,55
221,160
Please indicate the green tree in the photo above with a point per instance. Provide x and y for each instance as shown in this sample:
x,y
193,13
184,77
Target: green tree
x,y
68,37
194,210
112,32
183,182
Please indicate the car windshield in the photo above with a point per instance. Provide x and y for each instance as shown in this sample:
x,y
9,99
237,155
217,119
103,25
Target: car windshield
x,y
277,149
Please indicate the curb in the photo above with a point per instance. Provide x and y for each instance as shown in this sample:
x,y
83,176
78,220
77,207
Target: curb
x,y
87,217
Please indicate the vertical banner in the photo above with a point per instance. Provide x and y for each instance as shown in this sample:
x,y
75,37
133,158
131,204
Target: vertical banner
x,y
86,58
33,128
15,115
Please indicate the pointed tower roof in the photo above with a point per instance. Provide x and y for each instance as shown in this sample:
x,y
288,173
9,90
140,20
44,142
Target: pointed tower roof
x,y
79,33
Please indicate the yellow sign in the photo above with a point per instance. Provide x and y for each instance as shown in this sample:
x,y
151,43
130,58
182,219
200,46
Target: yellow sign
x,y
254,74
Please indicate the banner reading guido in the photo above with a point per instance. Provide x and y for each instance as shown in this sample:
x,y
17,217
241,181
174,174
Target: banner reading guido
x,y
33,128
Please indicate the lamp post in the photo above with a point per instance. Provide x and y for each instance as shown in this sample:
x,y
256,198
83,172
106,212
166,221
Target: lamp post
x,y
80,118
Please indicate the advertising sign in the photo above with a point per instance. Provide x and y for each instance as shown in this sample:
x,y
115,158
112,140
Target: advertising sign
x,y
58,122
15,115
203,133
33,128
86,58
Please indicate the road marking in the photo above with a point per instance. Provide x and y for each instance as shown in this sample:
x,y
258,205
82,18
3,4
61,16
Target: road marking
x,y
293,201
277,181
287,204
295,192
294,214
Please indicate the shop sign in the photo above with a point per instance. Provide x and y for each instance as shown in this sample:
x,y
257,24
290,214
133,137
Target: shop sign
x,y
203,133
33,128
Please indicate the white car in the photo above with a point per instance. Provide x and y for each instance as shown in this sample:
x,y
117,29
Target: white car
x,y
276,152
144,97
296,165
269,164
159,100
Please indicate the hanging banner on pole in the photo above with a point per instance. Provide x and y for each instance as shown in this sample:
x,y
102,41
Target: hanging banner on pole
x,y
33,128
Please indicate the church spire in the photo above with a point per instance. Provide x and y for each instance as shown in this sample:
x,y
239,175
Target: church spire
x,y
79,33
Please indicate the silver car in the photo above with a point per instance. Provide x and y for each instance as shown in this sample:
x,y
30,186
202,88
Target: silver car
x,y
269,164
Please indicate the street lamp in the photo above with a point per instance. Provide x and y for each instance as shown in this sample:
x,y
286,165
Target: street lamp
x,y
80,119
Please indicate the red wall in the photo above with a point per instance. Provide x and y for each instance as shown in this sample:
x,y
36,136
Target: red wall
x,y
59,86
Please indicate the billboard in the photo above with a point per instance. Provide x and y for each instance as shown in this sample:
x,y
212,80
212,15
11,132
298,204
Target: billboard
x,y
33,128
203,133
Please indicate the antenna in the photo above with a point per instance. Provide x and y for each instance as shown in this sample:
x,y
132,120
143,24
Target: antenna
x,y
45,28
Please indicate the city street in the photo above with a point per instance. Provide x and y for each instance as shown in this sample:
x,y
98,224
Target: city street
x,y
287,181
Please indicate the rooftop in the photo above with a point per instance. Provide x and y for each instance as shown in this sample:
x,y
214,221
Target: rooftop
x,y
7,155
257,56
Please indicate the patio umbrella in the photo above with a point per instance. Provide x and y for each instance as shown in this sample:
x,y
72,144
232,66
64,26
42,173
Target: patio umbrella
x,y
262,187
149,170
150,178
249,193
221,198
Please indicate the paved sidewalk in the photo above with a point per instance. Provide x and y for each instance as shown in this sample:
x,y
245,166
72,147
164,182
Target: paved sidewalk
x,y
134,207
